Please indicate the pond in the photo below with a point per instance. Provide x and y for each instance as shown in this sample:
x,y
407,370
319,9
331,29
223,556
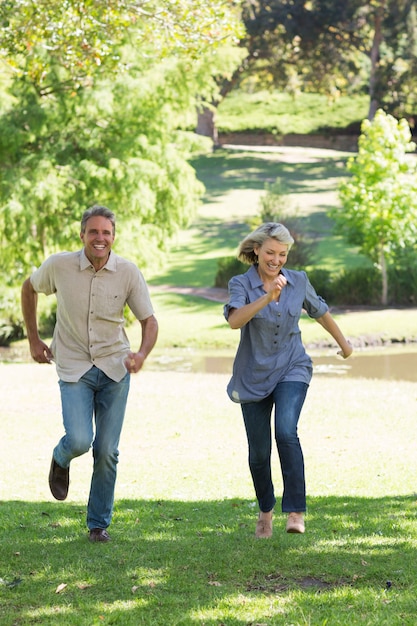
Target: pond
x,y
382,363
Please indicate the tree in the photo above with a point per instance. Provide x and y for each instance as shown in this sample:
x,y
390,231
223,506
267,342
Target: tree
x,y
88,116
75,40
379,200
330,47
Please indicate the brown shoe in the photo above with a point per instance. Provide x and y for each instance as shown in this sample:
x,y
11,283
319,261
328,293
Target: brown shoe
x,y
264,526
99,534
295,523
58,480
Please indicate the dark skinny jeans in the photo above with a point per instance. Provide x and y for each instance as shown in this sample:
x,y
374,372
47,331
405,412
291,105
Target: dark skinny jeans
x,y
288,398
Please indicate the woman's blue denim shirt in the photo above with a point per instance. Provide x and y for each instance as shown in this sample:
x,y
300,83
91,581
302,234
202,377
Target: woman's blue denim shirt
x,y
270,348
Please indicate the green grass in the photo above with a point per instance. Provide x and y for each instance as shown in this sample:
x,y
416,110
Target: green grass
x,y
280,113
183,550
198,324
235,182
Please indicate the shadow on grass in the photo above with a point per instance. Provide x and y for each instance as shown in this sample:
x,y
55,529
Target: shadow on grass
x,y
175,562
197,261
223,171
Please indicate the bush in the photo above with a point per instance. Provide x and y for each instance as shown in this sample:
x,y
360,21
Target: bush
x,y
357,286
227,268
47,317
11,321
322,282
276,207
402,283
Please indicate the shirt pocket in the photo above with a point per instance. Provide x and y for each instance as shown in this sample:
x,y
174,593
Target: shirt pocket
x,y
112,305
294,313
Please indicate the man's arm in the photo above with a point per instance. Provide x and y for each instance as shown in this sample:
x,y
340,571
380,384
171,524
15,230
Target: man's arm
x,y
39,351
135,360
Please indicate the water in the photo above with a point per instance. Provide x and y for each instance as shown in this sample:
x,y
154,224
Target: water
x,y
381,364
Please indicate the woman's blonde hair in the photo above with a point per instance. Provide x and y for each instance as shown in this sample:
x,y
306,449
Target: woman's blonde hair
x,y
269,230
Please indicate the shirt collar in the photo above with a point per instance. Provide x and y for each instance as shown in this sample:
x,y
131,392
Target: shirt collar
x,y
255,279
85,263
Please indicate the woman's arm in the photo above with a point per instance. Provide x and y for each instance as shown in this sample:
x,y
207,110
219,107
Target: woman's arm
x,y
333,329
241,316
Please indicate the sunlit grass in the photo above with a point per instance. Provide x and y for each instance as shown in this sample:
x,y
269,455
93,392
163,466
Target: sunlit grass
x,y
183,551
281,113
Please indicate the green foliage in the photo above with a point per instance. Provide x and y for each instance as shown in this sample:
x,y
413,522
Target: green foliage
x,y
335,48
403,279
115,144
64,45
353,286
379,200
359,286
228,267
276,206
11,321
96,93
322,283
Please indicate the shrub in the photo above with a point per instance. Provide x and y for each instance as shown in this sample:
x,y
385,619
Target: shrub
x,y
276,207
402,283
11,322
228,267
322,281
357,286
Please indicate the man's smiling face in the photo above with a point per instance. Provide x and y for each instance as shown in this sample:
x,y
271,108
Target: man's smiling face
x,y
98,239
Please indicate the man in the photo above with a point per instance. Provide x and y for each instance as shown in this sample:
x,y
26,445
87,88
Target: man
x,y
92,354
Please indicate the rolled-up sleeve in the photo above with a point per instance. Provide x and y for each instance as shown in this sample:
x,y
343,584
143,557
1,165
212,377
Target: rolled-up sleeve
x,y
238,294
270,348
313,304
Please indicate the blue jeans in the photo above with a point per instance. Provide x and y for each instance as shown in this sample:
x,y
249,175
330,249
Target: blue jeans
x,y
94,400
288,398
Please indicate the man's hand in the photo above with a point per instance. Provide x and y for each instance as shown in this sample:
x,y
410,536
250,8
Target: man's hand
x,y
134,362
40,352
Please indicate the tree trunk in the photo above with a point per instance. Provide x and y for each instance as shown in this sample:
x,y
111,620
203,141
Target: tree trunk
x,y
206,124
375,58
384,272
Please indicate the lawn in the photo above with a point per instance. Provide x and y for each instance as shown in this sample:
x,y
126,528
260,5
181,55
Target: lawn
x,y
235,181
280,113
183,551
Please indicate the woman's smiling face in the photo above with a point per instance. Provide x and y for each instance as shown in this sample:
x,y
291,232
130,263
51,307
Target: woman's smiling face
x,y
272,256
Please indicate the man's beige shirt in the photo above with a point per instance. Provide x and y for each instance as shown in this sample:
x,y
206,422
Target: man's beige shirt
x,y
90,320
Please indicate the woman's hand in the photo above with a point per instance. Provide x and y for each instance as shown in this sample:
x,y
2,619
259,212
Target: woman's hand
x,y
276,287
346,351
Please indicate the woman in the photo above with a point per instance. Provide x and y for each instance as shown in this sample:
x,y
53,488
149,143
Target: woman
x,y
271,367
